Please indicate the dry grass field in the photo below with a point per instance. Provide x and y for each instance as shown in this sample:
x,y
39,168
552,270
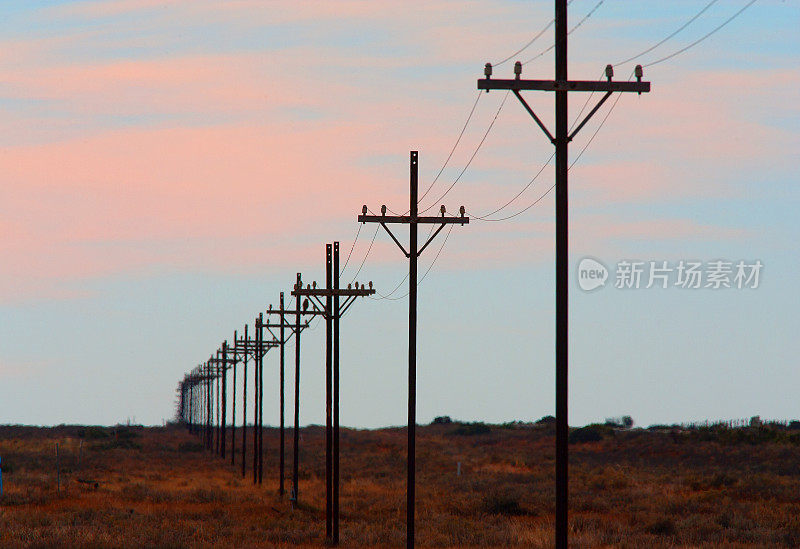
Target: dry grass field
x,y
156,487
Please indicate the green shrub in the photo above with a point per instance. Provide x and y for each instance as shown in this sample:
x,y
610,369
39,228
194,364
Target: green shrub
x,y
94,433
546,420
662,527
501,504
471,429
189,446
589,433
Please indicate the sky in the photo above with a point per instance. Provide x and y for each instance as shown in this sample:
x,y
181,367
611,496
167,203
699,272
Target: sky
x,y
167,167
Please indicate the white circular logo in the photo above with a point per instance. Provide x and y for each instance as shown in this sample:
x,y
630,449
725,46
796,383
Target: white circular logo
x,y
591,274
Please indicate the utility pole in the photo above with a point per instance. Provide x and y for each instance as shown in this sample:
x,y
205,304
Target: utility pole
x,y
562,86
233,406
244,406
283,338
332,310
413,220
242,348
221,363
298,314
256,348
208,378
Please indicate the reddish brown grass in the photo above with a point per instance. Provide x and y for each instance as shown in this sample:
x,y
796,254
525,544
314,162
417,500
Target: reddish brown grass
x,y
632,489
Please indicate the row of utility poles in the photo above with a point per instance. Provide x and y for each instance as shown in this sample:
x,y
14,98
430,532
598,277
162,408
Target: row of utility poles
x,y
202,402
201,389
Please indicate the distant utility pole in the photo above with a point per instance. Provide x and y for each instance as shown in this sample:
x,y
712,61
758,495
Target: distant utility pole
x,y
222,361
332,310
283,338
298,314
255,348
562,86
233,404
413,221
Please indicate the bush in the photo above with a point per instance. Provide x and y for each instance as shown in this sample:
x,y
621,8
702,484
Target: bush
x,y
190,447
501,504
547,420
590,433
117,444
471,429
662,527
624,422
94,433
441,420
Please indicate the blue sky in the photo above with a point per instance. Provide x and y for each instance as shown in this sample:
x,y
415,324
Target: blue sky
x,y
169,167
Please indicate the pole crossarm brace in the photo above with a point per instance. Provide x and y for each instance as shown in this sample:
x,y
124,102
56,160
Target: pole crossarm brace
x,y
350,294
283,324
563,85
251,348
407,219
609,86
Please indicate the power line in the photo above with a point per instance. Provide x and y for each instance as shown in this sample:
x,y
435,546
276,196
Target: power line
x,y
449,156
530,43
533,179
585,17
474,153
680,51
438,253
586,146
670,56
460,135
399,284
366,255
351,249
689,22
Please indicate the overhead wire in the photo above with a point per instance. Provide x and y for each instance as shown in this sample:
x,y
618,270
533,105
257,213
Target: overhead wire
x,y
573,29
472,157
583,149
438,253
351,249
547,162
657,44
366,255
702,38
614,104
585,146
449,156
530,42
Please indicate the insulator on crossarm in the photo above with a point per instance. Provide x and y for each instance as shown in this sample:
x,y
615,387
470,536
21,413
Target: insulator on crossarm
x,y
462,211
443,210
383,209
639,73
517,70
609,72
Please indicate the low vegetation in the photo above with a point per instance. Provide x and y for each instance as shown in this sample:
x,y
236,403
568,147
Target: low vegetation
x,y
478,485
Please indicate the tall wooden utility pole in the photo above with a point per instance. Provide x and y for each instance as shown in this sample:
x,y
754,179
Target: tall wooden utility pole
x,y
562,86
332,310
413,220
